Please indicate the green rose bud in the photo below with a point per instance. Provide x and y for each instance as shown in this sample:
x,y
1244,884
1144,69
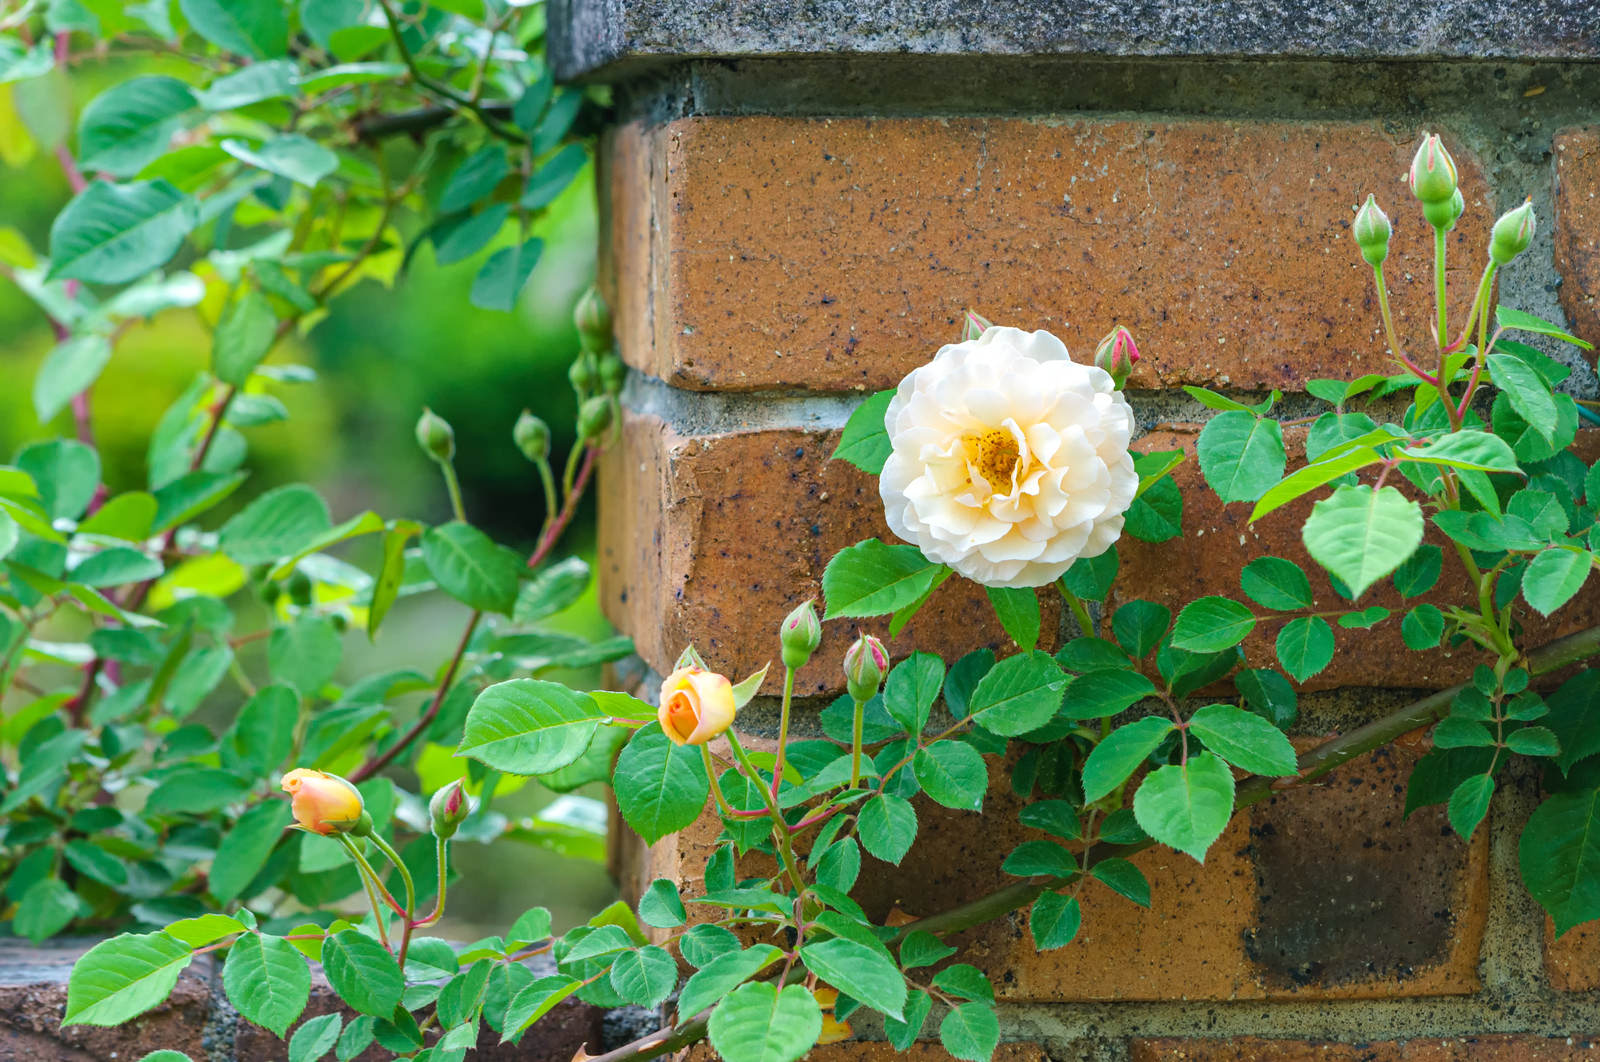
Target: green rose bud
x,y
435,436
299,587
613,374
584,375
1372,230
799,636
448,809
973,326
1433,175
594,417
865,663
593,318
1512,233
532,436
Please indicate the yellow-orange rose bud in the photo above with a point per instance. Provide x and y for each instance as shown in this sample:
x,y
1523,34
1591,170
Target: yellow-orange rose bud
x,y
833,1030
325,803
696,705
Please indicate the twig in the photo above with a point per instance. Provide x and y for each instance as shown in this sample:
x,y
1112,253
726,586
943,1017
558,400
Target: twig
x,y
553,530
378,763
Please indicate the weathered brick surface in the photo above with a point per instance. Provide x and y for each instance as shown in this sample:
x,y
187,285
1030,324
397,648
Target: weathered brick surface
x,y
878,1051
1321,892
1433,1049
714,539
838,254
1577,227
1572,962
1218,541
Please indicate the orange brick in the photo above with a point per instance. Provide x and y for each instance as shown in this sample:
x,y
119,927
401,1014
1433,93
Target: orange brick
x,y
1431,1049
878,1051
1572,962
1321,892
838,254
1577,227
713,539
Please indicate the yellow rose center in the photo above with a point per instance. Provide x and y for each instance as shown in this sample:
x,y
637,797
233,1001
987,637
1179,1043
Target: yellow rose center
x,y
996,457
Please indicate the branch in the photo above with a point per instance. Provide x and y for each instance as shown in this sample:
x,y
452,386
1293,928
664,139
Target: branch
x,y
412,123
378,763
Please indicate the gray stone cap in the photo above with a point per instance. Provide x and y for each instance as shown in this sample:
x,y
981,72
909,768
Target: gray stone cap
x,y
613,39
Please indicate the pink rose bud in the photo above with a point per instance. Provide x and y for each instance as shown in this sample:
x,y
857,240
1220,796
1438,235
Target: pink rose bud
x,y
448,809
973,326
1433,175
1117,354
325,804
865,664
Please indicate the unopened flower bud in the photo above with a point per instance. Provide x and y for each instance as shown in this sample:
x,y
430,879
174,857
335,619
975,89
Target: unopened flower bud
x,y
300,589
448,809
532,436
1117,354
325,804
1371,230
435,436
973,325
613,374
865,663
696,705
1512,233
1433,174
1444,214
594,417
584,375
799,636
593,318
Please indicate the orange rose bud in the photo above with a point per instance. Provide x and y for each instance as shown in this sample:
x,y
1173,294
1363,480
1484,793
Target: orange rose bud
x,y
833,1030
325,803
696,705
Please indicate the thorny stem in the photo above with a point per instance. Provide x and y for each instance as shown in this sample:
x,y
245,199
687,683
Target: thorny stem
x,y
856,727
783,728
1388,330
569,508
441,852
1439,291
444,92
411,893
780,828
378,763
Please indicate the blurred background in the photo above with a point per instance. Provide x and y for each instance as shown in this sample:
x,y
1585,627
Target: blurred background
x,y
381,355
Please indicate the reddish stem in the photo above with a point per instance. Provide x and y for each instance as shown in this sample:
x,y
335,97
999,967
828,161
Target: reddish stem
x,y
569,508
378,763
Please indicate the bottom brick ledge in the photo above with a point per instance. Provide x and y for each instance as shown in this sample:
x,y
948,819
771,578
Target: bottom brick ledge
x,y
1510,1048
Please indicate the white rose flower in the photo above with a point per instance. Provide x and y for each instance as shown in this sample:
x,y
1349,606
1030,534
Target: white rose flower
x,y
1010,460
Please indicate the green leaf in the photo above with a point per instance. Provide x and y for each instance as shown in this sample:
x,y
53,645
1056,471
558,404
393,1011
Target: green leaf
x,y
471,567
315,1038
1120,753
952,773
275,525
270,80
536,999
553,177
364,974
1269,695
130,125
474,178
872,578
1054,920
1122,878
1529,394
1097,694
300,159
529,726
205,929
912,688
1090,578
1575,717
763,1023
67,473
1241,455
254,28
1360,535
1305,480
114,233
125,976
245,847
1186,806
305,654
1275,583
73,366
116,566
1305,646
1034,858
500,281
1422,627
1419,574
267,981
1559,855
1245,740
1554,576
1471,449
887,826
392,573
1018,612
460,236
1019,694
1506,317
46,908
1139,626
244,336
661,906
970,1032
644,977
902,1034
1533,741
861,972
1211,625
921,948
1457,732
1157,514
721,975
865,440
660,787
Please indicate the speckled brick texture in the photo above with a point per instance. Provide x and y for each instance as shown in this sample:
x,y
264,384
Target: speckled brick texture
x,y
1432,1049
836,255
878,1051
1318,893
1577,226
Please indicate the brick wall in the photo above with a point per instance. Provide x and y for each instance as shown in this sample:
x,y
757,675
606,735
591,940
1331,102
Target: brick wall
x,y
800,204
